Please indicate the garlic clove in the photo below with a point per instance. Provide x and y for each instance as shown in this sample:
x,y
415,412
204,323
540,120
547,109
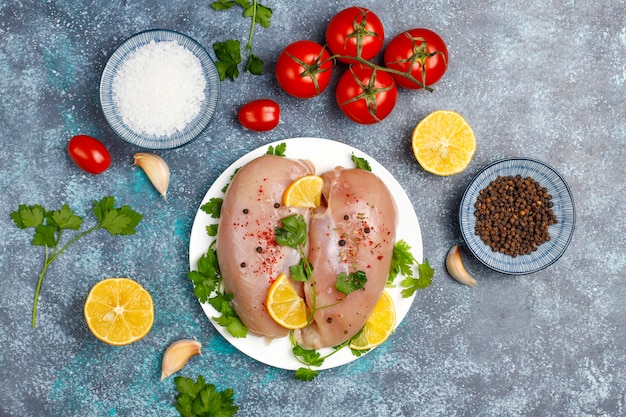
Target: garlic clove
x,y
177,355
156,169
455,267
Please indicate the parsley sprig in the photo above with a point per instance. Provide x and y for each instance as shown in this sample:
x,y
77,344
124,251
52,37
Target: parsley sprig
x,y
50,227
403,262
197,399
230,53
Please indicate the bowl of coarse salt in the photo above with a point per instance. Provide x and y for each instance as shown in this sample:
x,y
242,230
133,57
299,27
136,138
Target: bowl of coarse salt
x,y
159,89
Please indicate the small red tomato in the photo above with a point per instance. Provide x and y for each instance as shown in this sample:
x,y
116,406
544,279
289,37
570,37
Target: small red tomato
x,y
352,27
303,69
260,115
366,95
420,51
89,154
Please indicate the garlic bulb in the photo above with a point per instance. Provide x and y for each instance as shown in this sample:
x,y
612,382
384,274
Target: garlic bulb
x,y
156,169
455,267
177,355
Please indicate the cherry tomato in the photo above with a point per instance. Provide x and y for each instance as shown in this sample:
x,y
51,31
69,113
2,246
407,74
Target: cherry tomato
x,y
260,115
89,154
366,95
351,27
420,50
303,69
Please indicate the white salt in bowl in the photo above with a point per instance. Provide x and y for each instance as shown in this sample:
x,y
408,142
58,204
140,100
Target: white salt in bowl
x,y
159,89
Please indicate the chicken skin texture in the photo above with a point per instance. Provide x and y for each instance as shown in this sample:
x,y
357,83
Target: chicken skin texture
x,y
248,255
354,231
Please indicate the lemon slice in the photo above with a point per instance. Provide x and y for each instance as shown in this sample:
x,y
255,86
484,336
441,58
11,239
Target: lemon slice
x,y
378,326
443,143
304,192
284,304
119,311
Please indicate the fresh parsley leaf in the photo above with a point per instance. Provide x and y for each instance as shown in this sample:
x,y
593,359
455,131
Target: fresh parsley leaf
x,y
64,219
46,236
228,55
49,227
261,14
309,357
306,374
211,230
402,261
348,283
361,163
424,279
213,207
300,271
293,232
229,318
233,324
206,277
199,399
221,302
358,353
254,65
28,216
222,4
116,221
279,150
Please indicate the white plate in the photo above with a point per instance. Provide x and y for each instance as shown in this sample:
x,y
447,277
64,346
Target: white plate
x,y
325,155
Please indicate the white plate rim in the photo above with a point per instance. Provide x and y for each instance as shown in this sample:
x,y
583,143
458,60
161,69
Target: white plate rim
x,y
561,233
278,353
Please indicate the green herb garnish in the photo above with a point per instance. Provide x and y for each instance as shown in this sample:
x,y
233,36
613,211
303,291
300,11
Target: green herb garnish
x,y
279,150
348,283
213,207
230,53
199,399
361,163
423,280
207,280
50,226
403,262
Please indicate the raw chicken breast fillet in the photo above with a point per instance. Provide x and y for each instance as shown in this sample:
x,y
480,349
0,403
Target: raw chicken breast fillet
x,y
355,231
247,252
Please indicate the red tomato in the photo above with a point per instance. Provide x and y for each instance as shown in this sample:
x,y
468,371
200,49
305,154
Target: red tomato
x,y
303,69
420,50
366,95
260,115
352,27
89,154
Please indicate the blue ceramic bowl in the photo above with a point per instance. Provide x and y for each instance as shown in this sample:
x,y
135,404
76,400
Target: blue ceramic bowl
x,y
195,127
560,233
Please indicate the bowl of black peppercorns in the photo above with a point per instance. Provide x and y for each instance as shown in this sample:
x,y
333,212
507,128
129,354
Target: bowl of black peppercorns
x,y
517,216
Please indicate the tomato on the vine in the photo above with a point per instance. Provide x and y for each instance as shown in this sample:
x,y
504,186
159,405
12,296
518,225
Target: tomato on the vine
x,y
89,154
420,51
303,69
366,95
352,29
259,115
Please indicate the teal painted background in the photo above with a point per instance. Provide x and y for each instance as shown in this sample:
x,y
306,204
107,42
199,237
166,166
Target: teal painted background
x,y
538,79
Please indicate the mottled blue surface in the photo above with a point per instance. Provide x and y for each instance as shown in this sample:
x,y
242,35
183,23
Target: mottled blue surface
x,y
538,79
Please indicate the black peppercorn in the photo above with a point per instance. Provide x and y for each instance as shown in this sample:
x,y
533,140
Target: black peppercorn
x,y
513,215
